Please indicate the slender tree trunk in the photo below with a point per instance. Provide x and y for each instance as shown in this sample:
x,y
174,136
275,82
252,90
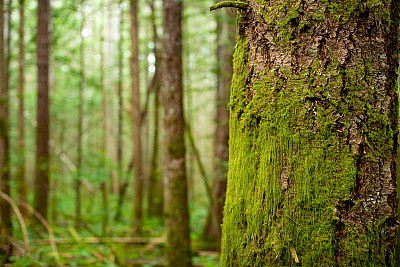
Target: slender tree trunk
x,y
176,214
225,47
313,135
120,98
20,175
137,161
155,195
43,131
80,121
8,41
5,210
103,186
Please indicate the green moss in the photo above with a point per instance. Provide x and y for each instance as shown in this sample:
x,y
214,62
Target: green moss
x,y
288,18
234,4
290,166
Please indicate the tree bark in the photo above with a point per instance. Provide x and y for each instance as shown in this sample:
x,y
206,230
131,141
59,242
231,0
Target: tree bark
x,y
176,215
103,187
225,49
313,135
80,121
43,131
20,175
5,209
155,195
137,161
120,99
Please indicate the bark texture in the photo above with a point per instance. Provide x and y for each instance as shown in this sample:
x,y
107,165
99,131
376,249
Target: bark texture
x,y
137,153
80,121
313,135
155,195
120,99
42,132
176,215
5,209
225,49
20,175
104,105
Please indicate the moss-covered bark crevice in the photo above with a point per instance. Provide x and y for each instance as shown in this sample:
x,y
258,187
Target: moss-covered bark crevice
x,y
312,129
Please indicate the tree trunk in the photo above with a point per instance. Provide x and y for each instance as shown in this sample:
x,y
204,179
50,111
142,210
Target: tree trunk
x,y
80,121
225,47
313,135
43,131
137,161
103,187
5,209
155,195
120,99
20,175
176,214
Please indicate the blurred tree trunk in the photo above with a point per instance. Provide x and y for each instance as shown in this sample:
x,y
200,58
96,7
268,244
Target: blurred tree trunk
x,y
120,99
176,214
43,131
5,209
80,120
20,175
225,49
313,135
155,195
103,186
137,161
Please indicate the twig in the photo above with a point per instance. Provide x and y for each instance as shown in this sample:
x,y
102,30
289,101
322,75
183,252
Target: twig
x,y
48,228
96,240
201,166
20,219
234,4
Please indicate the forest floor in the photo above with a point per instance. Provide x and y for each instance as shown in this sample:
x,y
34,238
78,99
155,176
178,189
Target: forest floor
x,y
62,244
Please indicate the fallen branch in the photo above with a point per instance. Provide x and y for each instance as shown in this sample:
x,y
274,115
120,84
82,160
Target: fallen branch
x,y
97,240
234,4
48,228
20,219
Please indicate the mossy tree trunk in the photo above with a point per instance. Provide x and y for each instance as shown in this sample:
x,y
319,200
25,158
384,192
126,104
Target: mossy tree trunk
x,y
176,213
313,135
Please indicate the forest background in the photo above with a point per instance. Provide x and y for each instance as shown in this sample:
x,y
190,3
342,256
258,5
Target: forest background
x,y
91,129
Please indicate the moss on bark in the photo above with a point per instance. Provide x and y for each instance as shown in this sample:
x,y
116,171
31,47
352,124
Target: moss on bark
x,y
313,132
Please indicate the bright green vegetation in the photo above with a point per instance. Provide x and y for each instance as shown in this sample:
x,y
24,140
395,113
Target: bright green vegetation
x,y
290,168
200,83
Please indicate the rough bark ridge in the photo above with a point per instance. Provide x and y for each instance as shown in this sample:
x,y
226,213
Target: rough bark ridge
x,y
313,135
176,214
43,133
